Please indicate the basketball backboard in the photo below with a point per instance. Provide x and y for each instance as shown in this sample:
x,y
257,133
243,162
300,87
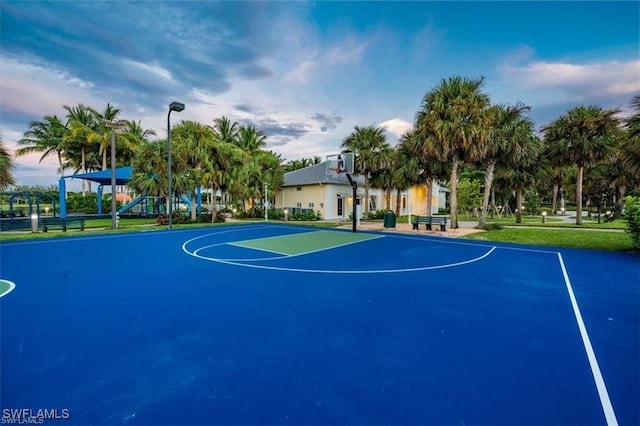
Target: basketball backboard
x,y
340,163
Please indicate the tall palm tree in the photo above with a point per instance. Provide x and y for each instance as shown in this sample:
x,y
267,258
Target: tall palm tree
x,y
371,150
75,141
44,136
630,147
419,163
251,139
100,133
226,130
453,115
133,136
509,129
583,136
150,175
6,167
193,144
383,176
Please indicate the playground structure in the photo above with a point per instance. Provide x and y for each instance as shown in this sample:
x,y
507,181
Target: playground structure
x,y
143,205
32,198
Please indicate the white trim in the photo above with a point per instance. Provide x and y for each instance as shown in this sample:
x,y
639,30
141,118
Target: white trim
x,y
605,401
12,285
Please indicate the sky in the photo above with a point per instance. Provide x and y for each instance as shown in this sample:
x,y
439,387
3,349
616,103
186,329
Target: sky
x,y
305,73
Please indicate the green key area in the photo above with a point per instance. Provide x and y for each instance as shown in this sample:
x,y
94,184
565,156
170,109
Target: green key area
x,y
5,287
305,242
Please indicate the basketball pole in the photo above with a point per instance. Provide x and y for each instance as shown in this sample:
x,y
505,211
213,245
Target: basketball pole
x,y
354,186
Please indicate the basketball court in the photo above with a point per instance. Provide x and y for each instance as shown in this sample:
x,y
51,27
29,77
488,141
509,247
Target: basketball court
x,y
275,324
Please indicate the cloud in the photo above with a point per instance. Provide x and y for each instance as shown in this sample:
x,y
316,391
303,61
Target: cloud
x,y
396,126
581,81
37,88
327,121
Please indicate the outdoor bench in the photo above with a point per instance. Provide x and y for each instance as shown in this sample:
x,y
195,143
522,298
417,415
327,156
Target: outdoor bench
x,y
429,221
57,222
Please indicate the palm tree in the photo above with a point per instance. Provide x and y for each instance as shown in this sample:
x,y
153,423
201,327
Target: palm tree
x,y
134,136
46,137
369,144
383,176
509,128
6,167
582,136
193,145
453,116
251,139
75,141
630,147
225,130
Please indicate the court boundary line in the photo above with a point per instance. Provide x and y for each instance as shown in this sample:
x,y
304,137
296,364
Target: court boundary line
x,y
605,400
12,286
333,271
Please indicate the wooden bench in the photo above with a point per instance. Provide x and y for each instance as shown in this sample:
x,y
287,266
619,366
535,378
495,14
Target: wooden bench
x,y
429,221
57,222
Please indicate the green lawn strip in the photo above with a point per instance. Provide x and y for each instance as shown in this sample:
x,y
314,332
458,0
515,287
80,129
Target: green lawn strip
x,y
305,242
556,222
557,237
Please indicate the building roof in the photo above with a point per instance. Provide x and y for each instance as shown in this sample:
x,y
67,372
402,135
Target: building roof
x,y
317,174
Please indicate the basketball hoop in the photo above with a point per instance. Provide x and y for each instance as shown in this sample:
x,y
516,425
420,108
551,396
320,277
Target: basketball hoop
x,y
340,163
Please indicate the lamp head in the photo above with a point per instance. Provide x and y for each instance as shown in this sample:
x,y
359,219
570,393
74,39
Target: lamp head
x,y
176,106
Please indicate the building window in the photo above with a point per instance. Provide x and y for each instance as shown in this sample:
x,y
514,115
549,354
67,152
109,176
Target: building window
x,y
373,203
340,206
299,205
310,205
298,188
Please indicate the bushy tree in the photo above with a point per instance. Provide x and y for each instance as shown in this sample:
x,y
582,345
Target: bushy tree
x,y
632,216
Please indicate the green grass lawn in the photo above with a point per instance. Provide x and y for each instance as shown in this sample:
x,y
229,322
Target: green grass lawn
x,y
574,238
552,234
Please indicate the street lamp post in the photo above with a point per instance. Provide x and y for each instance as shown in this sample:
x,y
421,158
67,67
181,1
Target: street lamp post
x,y
114,125
177,107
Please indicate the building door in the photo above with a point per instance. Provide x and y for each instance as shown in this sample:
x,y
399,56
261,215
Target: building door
x,y
340,206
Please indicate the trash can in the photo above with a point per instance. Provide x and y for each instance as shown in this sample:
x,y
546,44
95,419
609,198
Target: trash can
x,y
389,219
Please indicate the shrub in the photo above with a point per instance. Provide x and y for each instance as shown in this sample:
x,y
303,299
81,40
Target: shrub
x,y
490,226
378,214
632,216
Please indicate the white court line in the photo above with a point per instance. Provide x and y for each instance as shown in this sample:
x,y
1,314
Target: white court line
x,y
237,244
332,271
12,285
605,401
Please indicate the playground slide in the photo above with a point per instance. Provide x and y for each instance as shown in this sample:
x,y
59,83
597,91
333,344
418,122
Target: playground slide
x,y
187,201
130,205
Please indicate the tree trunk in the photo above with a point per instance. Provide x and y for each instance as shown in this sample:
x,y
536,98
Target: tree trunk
x,y
388,195
554,201
366,196
104,159
488,181
84,170
519,205
579,195
622,192
453,197
429,195
493,202
193,205
213,203
398,195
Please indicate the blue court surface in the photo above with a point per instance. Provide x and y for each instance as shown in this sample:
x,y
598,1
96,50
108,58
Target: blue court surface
x,y
211,326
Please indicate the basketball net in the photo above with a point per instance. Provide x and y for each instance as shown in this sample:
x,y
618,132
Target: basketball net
x,y
339,166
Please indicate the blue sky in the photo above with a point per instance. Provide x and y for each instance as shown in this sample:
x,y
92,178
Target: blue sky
x,y
305,72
